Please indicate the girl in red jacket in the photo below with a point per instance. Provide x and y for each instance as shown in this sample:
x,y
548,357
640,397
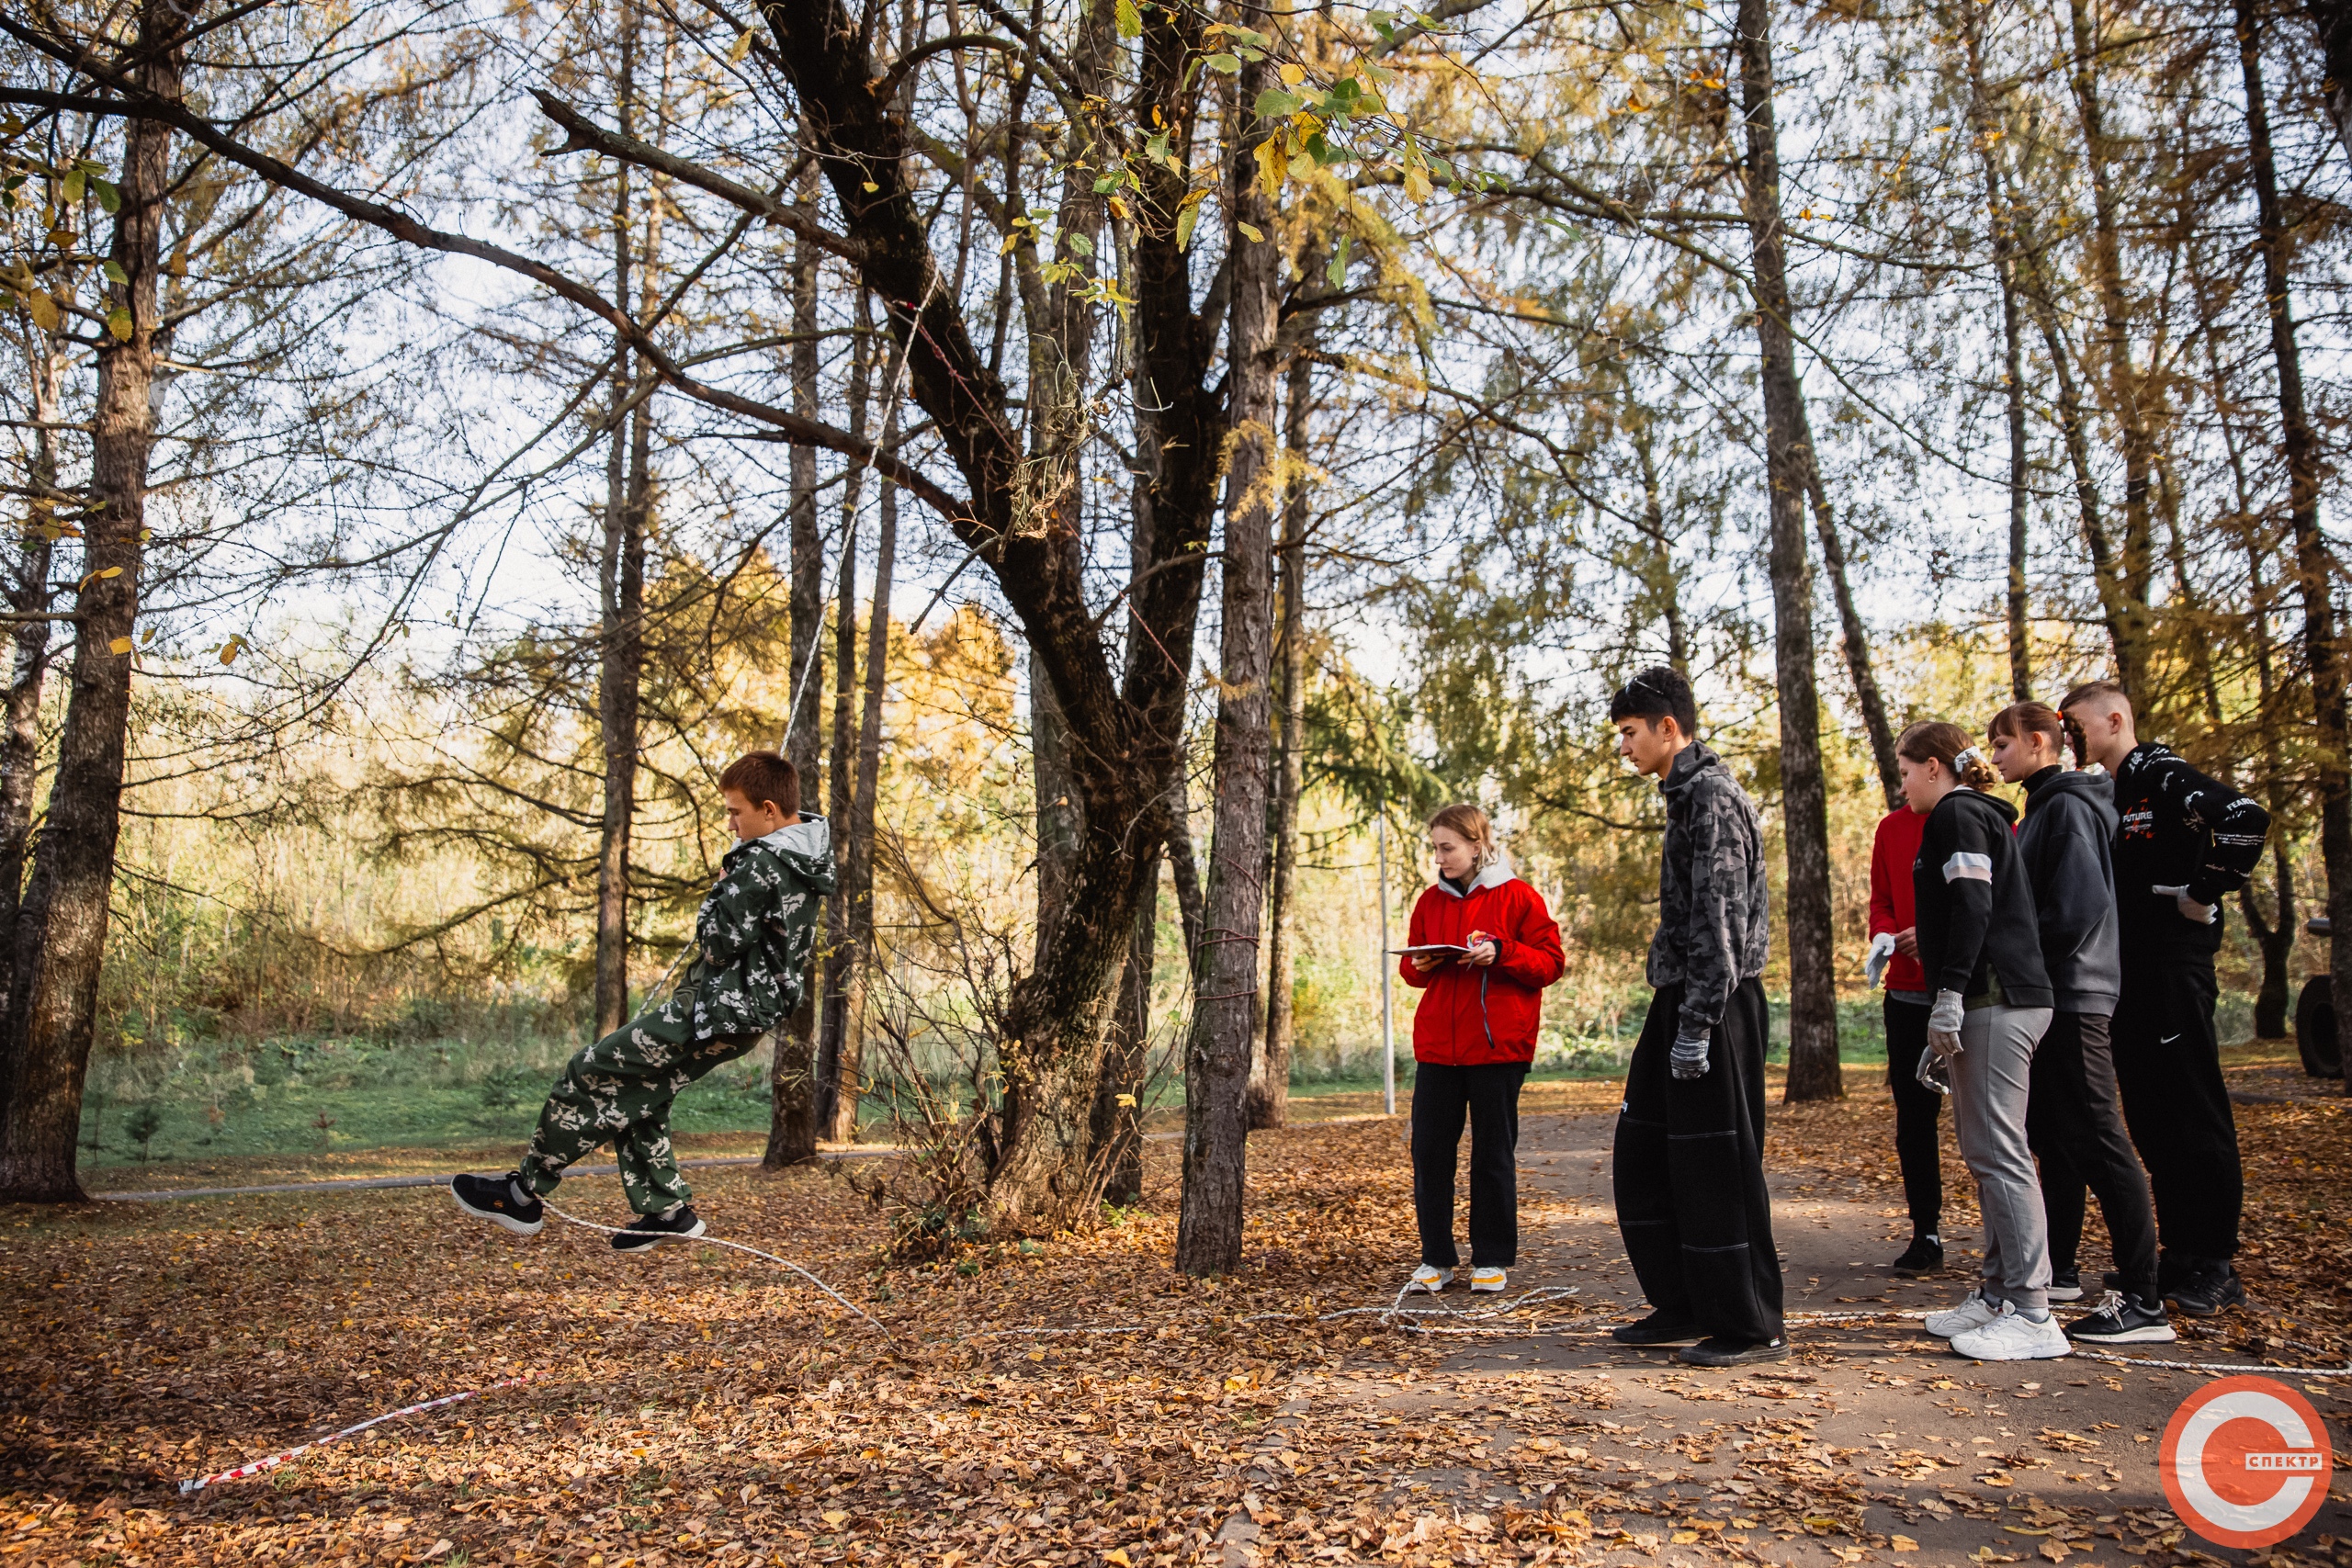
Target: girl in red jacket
x,y
1474,1037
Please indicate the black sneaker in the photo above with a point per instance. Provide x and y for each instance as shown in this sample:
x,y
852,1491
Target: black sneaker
x,y
2066,1285
1923,1256
1719,1352
500,1200
651,1231
2209,1289
1657,1329
2124,1321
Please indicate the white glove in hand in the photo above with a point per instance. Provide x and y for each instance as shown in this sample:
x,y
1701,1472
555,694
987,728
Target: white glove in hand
x,y
2190,910
1689,1058
1882,949
1933,1071
1945,1017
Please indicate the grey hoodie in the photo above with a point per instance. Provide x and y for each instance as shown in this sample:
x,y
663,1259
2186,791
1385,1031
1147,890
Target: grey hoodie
x,y
2069,823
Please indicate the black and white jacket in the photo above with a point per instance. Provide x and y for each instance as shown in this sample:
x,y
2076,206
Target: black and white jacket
x,y
1978,934
2176,827
1713,921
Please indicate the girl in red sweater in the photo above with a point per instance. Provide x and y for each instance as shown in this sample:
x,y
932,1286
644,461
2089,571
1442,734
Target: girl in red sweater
x,y
1474,1036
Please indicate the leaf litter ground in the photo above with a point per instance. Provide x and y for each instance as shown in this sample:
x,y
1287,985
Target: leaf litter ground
x,y
703,1405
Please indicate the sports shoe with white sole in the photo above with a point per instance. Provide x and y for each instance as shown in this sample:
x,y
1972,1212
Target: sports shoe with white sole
x,y
2013,1336
500,1200
1430,1278
1487,1279
649,1231
2123,1321
1975,1312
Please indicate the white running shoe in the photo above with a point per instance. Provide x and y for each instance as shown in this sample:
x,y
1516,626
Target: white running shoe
x,y
2013,1336
1487,1279
1975,1312
1430,1278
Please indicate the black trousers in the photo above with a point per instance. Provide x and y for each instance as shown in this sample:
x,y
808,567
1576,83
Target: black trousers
x,y
1917,1110
2074,1123
2168,1065
1691,1204
1488,1096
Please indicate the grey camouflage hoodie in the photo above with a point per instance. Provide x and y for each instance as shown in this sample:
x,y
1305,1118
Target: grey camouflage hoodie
x,y
1714,929
756,930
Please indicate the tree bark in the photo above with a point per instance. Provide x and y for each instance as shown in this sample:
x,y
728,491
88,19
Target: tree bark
x,y
2333,20
837,1094
1224,1009
1269,1073
28,596
859,870
1988,128
63,928
1117,1130
1814,1071
2314,562
1666,587
792,1087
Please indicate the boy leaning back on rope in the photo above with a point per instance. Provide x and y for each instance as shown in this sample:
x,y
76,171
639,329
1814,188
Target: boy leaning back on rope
x,y
754,933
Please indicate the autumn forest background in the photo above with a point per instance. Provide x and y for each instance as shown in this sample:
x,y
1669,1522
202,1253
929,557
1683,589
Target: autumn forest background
x,y
1138,460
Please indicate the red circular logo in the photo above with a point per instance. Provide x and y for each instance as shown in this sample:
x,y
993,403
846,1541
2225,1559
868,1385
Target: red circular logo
x,y
2245,1461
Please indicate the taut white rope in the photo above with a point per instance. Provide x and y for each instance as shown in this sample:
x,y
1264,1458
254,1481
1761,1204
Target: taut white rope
x,y
734,1246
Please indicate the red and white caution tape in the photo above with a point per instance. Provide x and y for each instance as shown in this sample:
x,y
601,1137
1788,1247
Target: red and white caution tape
x,y
244,1472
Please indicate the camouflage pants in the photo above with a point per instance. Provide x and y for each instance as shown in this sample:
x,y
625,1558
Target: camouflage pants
x,y
618,1091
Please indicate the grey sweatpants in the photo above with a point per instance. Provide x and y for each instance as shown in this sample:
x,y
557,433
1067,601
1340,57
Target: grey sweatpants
x,y
1990,1081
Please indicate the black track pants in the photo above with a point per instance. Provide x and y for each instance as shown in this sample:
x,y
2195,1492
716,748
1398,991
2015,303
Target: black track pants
x,y
1487,1096
2168,1065
1690,1174
2076,1125
1917,1110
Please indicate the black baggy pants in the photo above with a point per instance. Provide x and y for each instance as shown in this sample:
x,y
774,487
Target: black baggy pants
x,y
2168,1065
1691,1204
1487,1095
2074,1123
1918,1111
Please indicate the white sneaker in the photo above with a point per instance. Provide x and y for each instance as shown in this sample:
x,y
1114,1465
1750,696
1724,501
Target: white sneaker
x,y
1487,1279
1430,1278
2013,1336
1974,1312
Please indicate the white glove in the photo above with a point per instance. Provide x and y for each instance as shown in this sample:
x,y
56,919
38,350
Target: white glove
x,y
1943,1027
1882,949
2192,911
1933,1071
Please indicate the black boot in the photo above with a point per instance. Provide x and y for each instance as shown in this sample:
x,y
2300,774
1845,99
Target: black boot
x,y
1923,1256
1657,1329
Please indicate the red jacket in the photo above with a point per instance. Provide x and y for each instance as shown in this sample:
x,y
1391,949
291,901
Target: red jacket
x,y
1475,1016
1891,853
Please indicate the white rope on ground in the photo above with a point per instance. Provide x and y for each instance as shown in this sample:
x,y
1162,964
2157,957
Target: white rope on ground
x,y
287,1456
735,1246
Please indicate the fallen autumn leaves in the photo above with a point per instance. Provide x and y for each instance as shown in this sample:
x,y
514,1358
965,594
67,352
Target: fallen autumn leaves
x,y
700,1405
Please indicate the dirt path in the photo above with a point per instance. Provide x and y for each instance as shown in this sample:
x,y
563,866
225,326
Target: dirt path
x,y
1873,1442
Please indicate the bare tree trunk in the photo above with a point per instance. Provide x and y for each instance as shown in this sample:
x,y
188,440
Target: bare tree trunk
x,y
833,1017
2314,562
621,642
1184,868
1117,1129
1270,1074
2128,392
1855,638
1997,206
792,1085
1667,587
28,596
62,930
860,866
1814,1071
1224,1007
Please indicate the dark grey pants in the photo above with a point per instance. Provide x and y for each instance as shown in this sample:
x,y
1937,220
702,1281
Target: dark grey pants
x,y
2076,1125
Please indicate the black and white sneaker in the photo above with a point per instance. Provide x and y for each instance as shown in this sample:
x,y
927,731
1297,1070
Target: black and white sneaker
x,y
2124,1321
2066,1285
2208,1288
649,1231
500,1200
1718,1351
1923,1256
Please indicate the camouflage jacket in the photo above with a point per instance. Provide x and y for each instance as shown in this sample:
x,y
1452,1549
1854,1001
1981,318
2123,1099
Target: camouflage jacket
x,y
756,931
1713,925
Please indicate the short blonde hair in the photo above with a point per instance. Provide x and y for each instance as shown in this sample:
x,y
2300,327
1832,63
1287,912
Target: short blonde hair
x,y
1469,823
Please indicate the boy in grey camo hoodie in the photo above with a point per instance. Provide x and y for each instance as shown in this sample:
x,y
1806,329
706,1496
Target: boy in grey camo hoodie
x,y
753,936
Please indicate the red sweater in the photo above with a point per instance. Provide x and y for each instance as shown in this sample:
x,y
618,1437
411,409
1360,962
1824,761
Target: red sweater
x,y
1897,847
1475,1016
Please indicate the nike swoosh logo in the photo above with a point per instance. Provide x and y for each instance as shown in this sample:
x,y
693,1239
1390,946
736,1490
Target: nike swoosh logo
x,y
2166,1039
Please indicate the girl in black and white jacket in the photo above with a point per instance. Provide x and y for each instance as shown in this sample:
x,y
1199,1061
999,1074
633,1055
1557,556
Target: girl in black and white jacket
x,y
1981,948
